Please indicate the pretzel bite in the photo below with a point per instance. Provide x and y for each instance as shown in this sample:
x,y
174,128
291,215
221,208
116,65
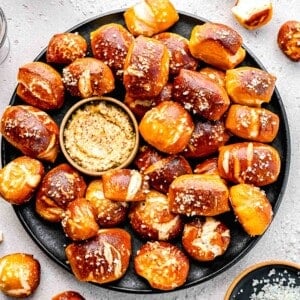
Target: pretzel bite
x,y
63,48
288,39
40,85
19,275
162,264
146,68
180,55
205,239
206,139
200,95
87,77
217,45
249,162
146,156
78,220
102,259
68,295
167,127
139,106
110,43
208,166
20,178
164,171
59,186
253,14
249,86
125,185
252,123
198,195
252,208
108,213
149,17
32,131
218,76
152,219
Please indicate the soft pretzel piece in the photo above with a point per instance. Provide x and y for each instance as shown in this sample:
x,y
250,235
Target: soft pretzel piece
x,y
252,208
68,295
146,68
40,85
19,275
249,85
198,195
63,48
20,178
149,17
253,14
249,162
167,127
162,264
288,39
205,239
252,123
110,43
217,44
152,219
88,76
101,259
199,95
31,130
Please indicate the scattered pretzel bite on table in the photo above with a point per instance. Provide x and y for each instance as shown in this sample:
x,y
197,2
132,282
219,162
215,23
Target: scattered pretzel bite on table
x,y
148,17
162,264
63,48
20,178
88,76
101,259
288,39
32,131
253,14
217,45
249,86
40,85
252,208
146,67
61,185
198,195
152,219
79,220
19,275
108,213
249,162
167,127
110,43
68,295
200,95
205,239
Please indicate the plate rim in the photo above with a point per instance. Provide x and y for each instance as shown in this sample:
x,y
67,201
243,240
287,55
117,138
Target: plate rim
x,y
253,241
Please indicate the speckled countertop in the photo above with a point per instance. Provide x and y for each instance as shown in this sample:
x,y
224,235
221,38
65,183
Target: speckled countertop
x,y
32,23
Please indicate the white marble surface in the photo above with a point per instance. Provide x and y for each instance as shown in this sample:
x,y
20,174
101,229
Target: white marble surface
x,y
31,24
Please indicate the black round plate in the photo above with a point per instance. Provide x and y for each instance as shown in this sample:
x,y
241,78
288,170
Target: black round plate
x,y
254,279
50,237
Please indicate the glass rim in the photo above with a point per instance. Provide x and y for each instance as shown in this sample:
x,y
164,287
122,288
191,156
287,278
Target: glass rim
x,y
3,28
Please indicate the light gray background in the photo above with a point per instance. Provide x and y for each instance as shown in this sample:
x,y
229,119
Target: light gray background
x,y
31,24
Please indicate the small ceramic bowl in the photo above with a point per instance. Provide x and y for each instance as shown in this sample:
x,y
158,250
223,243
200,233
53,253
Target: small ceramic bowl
x,y
99,134
264,278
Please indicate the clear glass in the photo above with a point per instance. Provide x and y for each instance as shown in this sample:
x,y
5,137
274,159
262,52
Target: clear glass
x,y
4,41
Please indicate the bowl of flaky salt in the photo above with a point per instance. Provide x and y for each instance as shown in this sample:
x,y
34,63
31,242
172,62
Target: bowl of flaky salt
x,y
269,280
